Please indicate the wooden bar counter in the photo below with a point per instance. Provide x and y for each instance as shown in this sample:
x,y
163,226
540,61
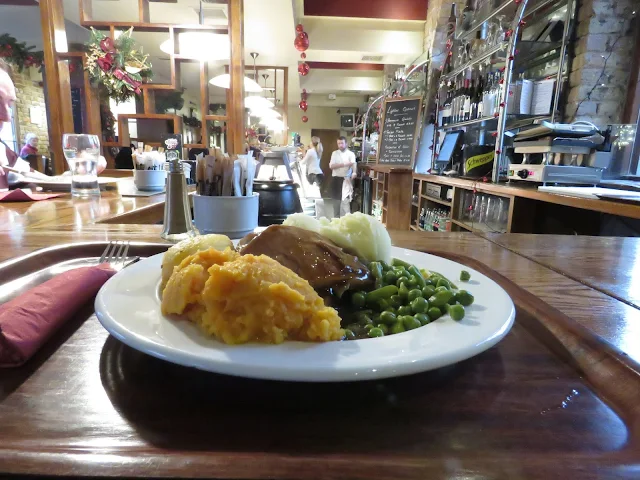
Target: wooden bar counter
x,y
110,207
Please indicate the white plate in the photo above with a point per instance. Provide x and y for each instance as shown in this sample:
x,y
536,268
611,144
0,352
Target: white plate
x,y
128,306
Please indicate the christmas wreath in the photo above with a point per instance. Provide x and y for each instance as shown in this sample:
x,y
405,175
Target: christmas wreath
x,y
19,54
118,66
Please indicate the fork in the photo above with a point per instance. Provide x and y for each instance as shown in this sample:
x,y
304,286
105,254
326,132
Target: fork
x,y
116,255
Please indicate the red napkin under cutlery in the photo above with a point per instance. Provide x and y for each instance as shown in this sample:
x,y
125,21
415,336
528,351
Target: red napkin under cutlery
x,y
22,196
29,320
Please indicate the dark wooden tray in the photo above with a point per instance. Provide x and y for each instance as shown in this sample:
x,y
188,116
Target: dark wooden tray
x,y
549,401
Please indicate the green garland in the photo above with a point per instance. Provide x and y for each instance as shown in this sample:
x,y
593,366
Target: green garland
x,y
117,66
19,54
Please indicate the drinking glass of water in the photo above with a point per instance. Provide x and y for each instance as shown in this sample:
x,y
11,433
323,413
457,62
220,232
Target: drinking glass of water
x,y
82,153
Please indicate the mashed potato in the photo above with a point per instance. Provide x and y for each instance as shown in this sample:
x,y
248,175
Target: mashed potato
x,y
248,298
182,250
361,234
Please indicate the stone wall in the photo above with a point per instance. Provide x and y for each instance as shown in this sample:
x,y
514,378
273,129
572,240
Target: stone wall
x,y
601,66
30,93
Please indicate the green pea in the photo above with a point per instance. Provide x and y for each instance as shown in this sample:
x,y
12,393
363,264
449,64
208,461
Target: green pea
x,y
419,305
385,266
465,276
348,334
365,320
403,291
396,262
369,327
441,288
445,308
440,298
396,301
362,314
390,278
453,300
443,283
428,291
413,294
423,318
402,279
405,310
413,281
418,276
397,327
434,313
456,312
381,294
464,298
358,299
376,332
383,305
388,318
410,322
427,281
384,328
390,310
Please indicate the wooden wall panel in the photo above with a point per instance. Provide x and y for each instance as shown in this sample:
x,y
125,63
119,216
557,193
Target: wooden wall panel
x,y
58,80
236,124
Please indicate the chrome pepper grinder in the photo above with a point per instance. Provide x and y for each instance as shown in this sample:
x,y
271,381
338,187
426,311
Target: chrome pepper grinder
x,y
177,211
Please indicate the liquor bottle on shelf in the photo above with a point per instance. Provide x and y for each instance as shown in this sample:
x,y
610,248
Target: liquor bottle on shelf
x,y
454,102
422,219
479,97
468,88
467,15
446,112
451,22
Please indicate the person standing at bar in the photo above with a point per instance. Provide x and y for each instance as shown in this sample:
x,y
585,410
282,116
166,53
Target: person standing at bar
x,y
343,168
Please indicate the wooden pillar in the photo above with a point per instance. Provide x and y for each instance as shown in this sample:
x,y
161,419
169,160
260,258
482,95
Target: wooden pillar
x,y
235,111
58,85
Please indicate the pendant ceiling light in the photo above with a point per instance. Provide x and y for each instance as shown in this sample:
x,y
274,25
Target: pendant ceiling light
x,y
200,46
224,81
256,102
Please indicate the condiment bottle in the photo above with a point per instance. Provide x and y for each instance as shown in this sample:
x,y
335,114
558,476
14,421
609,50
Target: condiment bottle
x,y
177,210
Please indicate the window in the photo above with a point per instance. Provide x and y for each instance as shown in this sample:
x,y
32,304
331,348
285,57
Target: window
x,y
8,133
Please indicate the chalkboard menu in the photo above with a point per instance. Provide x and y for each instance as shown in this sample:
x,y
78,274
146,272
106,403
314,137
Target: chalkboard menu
x,y
400,124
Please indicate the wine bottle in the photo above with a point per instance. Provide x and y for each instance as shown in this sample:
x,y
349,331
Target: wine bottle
x,y
451,22
467,15
466,106
446,116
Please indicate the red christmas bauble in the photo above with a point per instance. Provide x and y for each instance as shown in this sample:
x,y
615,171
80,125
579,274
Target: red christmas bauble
x,y
303,55
303,69
305,119
301,42
304,91
303,106
299,28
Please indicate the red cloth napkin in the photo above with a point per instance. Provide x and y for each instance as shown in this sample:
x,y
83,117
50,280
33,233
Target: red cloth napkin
x,y
22,196
27,321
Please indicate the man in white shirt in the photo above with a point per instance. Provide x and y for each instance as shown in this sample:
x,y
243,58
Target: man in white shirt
x,y
343,169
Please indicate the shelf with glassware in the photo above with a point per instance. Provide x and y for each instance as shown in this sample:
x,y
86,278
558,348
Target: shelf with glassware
x,y
505,68
442,204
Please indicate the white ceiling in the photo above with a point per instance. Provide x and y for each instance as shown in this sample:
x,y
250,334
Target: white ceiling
x,y
269,30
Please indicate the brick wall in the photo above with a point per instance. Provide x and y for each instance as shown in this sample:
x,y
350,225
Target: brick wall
x,y
30,94
601,66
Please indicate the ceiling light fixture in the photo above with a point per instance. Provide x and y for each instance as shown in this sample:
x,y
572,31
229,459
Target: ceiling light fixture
x,y
256,102
224,81
200,46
